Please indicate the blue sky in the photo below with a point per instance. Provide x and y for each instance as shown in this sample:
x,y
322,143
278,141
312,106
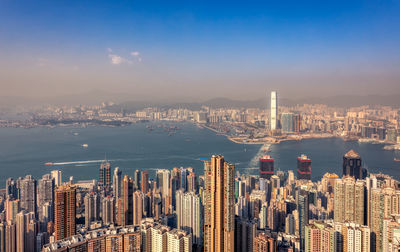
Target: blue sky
x,y
188,48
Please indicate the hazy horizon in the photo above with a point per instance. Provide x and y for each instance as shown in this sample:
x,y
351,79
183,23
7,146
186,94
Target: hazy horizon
x,y
199,51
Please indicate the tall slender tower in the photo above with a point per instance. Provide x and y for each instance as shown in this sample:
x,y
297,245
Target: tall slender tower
x,y
117,178
64,211
105,175
274,111
219,215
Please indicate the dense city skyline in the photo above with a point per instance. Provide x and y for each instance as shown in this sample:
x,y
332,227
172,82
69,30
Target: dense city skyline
x,y
183,126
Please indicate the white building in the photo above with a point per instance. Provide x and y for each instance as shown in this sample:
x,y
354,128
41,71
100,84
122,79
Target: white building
x,y
274,111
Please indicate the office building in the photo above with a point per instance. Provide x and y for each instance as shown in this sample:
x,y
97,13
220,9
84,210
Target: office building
x,y
64,211
296,123
266,167
302,201
352,165
219,215
303,167
287,122
274,111
105,176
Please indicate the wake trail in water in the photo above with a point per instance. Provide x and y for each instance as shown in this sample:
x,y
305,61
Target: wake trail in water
x,y
80,162
254,162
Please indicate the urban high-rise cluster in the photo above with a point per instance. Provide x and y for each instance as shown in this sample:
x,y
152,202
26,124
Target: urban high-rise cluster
x,y
220,210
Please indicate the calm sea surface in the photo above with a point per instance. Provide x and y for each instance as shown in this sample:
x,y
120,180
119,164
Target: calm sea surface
x,y
24,151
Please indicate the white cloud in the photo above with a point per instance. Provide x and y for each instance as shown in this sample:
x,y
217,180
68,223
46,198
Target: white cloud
x,y
118,60
135,54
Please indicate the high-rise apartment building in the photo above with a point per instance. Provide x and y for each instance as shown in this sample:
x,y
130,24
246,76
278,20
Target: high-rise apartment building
x,y
45,194
219,215
179,241
303,167
28,194
56,175
108,210
145,182
189,215
125,208
264,243
64,211
132,242
137,205
349,201
105,175
92,208
117,178
274,111
137,179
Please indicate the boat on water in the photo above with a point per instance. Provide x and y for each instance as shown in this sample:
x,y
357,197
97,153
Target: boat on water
x,y
85,145
48,163
396,159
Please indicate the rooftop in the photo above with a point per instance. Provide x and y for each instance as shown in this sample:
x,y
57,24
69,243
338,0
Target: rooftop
x,y
352,154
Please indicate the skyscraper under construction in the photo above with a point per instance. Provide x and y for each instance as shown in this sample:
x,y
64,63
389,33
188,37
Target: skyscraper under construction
x,y
219,215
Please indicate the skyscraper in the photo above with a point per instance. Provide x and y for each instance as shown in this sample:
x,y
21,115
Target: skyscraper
x,y
137,179
287,122
28,194
45,194
266,167
274,111
303,167
145,182
108,210
64,211
125,208
189,214
137,207
219,215
56,175
105,175
117,178
302,208
349,201
352,165
296,123
92,208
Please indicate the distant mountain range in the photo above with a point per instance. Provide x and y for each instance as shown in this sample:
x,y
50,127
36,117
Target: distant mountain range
x,y
132,102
